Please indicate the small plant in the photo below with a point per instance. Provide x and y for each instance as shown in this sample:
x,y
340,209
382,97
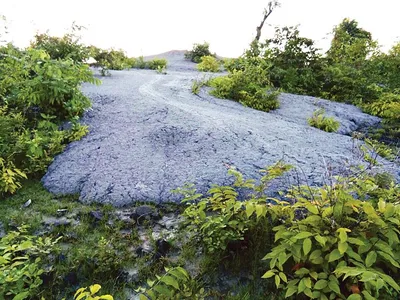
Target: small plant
x,y
90,294
198,51
197,85
157,64
320,121
209,64
21,263
176,283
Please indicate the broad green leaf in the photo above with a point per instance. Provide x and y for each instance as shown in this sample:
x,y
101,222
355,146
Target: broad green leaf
x,y
21,296
169,280
290,291
315,254
307,244
283,276
163,290
106,297
79,291
356,241
302,271
334,255
367,295
302,235
94,288
354,297
277,281
268,274
321,240
334,286
343,234
321,284
342,247
370,259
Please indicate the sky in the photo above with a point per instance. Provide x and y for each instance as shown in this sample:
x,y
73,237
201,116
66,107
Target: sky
x,y
154,26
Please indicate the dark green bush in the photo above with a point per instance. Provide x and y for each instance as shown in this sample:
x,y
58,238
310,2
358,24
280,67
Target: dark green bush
x,y
198,51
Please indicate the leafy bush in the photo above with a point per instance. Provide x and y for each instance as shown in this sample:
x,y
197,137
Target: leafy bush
x,y
111,59
157,63
208,64
176,283
221,217
21,263
90,294
66,47
37,94
339,241
249,87
320,121
198,51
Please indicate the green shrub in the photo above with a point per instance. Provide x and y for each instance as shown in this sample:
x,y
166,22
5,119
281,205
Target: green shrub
x,y
208,64
320,121
221,217
66,47
157,63
22,264
111,59
339,241
242,86
198,51
140,63
37,94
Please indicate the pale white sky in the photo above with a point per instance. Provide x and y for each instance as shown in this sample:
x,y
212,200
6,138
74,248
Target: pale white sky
x,y
154,26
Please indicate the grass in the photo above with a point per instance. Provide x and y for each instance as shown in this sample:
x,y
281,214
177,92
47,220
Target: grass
x,y
97,251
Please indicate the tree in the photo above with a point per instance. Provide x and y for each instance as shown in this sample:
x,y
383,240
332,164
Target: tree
x,y
267,12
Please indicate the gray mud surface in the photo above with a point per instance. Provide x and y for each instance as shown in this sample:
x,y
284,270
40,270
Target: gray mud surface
x,y
149,134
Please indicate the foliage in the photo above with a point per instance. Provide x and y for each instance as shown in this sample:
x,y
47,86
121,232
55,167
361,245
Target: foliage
x,y
90,294
197,85
66,47
157,63
248,86
176,283
320,121
295,63
208,64
221,217
21,263
110,59
339,241
198,51
37,94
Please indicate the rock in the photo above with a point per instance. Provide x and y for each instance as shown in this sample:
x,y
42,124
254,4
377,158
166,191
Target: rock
x,y
131,275
146,247
125,217
149,135
170,221
162,248
63,221
145,212
61,212
96,215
